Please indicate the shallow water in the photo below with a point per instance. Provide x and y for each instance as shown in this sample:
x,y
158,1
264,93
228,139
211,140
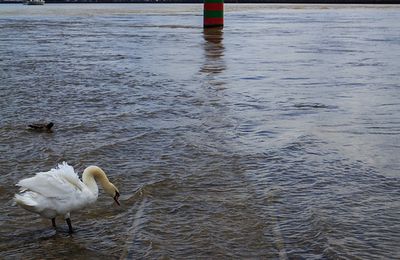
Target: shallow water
x,y
276,138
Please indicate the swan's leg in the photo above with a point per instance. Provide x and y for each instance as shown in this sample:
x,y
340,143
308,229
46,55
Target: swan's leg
x,y
69,225
53,221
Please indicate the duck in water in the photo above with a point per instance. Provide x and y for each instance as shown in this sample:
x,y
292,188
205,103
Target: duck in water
x,y
46,127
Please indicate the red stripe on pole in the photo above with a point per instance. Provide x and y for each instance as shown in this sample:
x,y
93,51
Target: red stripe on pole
x,y
214,6
213,21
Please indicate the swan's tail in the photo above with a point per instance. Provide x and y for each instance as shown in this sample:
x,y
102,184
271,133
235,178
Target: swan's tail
x,y
25,201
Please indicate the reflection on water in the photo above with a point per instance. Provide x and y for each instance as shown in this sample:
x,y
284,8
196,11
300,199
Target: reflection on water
x,y
214,51
276,138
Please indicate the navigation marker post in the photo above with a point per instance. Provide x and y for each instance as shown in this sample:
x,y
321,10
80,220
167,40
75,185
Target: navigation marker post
x,y
213,13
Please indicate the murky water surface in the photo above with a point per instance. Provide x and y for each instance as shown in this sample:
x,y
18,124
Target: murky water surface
x,y
276,138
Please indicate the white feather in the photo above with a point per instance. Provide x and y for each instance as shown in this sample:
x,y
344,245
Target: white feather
x,y
56,192
60,191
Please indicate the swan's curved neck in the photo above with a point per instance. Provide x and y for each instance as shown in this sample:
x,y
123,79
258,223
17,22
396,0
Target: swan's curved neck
x,y
92,174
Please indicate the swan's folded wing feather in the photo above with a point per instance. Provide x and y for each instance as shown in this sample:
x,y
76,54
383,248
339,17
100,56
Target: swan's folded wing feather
x,y
58,182
68,174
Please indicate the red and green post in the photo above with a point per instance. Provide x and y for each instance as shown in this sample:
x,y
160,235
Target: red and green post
x,y
213,13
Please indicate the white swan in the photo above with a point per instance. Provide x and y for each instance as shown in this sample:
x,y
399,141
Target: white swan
x,y
60,191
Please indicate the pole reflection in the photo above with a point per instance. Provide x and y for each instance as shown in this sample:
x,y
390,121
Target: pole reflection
x,y
213,51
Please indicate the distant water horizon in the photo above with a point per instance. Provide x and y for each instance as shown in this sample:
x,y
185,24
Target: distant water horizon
x,y
378,2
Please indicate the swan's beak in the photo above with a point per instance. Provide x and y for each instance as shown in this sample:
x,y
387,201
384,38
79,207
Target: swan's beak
x,y
116,198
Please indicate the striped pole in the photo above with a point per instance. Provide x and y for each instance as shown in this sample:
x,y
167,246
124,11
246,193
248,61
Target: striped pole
x,y
213,13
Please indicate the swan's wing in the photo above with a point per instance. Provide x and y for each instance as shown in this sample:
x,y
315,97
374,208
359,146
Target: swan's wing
x,y
59,182
67,173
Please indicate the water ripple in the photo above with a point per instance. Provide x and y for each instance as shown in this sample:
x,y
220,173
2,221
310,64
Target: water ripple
x,y
276,138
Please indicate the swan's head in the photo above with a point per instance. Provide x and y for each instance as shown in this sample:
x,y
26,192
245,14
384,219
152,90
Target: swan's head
x,y
97,173
113,192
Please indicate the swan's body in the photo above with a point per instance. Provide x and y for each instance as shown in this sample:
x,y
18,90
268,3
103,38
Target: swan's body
x,y
60,191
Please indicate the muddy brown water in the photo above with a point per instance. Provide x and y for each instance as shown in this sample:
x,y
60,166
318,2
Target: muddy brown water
x,y
276,138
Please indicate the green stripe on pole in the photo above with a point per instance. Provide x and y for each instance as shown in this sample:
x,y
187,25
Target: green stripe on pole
x,y
213,14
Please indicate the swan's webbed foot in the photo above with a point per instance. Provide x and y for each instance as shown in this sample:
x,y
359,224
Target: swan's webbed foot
x,y
69,225
53,222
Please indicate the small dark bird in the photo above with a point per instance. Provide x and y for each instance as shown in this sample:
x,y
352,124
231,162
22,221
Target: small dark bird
x,y
42,127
